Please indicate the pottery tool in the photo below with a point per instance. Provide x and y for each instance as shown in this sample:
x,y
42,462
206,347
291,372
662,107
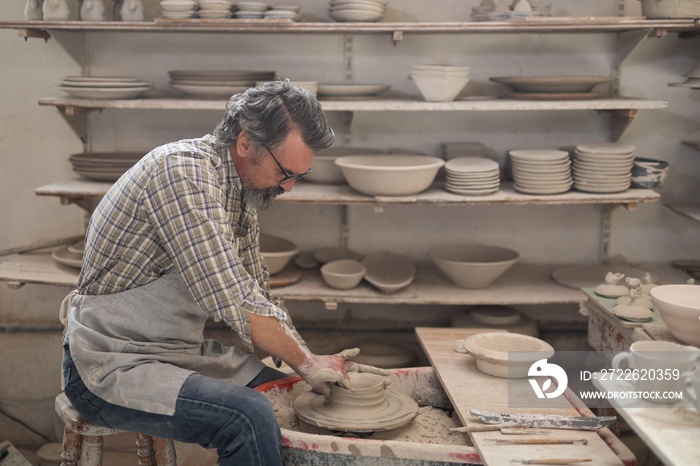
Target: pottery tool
x,y
550,421
538,441
554,461
504,430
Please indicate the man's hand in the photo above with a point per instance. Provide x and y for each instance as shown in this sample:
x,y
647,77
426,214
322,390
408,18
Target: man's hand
x,y
322,371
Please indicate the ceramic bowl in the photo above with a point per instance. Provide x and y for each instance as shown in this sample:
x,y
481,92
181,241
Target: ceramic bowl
x,y
324,170
343,274
389,272
506,355
439,87
389,175
472,265
679,306
649,173
277,252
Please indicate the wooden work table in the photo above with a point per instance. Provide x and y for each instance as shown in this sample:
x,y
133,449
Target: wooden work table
x,y
468,388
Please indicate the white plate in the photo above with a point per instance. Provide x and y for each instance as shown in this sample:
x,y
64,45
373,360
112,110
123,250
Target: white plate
x,y
221,75
214,5
589,276
472,192
606,148
539,155
471,165
389,272
100,79
105,93
601,190
214,14
207,82
101,84
65,257
542,190
100,175
177,14
351,90
552,84
77,247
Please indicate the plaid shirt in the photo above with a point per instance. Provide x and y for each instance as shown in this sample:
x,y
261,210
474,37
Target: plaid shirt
x,y
179,209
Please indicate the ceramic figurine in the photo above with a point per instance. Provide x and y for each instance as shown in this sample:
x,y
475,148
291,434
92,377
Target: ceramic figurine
x,y
32,10
55,10
635,297
132,10
612,288
648,284
633,311
93,10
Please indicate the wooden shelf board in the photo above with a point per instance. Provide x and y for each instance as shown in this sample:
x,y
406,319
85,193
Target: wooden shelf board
x,y
523,284
309,193
584,24
383,105
692,211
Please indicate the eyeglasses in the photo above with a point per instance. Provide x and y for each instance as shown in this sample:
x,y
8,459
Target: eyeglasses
x,y
287,176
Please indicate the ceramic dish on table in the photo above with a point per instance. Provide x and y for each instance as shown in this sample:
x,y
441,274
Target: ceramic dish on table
x,y
389,175
343,274
506,355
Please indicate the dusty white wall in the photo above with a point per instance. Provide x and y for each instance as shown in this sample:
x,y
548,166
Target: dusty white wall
x,y
35,143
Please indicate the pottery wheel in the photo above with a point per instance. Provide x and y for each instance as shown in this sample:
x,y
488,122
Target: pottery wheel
x,y
398,410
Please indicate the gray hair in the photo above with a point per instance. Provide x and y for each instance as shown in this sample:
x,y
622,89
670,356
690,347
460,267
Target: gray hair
x,y
268,113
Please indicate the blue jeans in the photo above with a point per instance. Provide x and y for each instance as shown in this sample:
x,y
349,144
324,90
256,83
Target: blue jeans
x,y
238,421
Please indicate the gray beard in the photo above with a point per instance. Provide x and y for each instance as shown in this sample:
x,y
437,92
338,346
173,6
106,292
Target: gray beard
x,y
259,199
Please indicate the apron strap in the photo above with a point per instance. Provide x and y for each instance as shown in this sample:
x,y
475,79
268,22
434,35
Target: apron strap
x,y
63,311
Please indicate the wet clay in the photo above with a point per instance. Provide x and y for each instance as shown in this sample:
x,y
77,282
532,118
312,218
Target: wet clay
x,y
368,407
430,426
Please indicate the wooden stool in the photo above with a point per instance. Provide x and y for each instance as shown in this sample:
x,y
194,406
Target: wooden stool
x,y
82,439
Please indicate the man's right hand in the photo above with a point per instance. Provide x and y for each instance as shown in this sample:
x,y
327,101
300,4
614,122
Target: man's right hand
x,y
322,371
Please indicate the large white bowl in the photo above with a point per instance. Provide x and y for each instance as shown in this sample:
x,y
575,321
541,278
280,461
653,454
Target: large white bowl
x,y
507,355
439,87
472,265
389,175
343,274
679,306
277,252
324,169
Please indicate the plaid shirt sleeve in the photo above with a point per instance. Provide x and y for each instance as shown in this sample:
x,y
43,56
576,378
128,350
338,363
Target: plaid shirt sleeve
x,y
184,202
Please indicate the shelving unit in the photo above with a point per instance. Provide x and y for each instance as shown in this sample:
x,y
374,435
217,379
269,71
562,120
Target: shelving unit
x,y
524,284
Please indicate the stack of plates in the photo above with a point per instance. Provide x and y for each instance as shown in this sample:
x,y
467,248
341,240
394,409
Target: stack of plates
x,y
214,9
216,84
357,10
351,91
281,13
541,171
472,176
551,87
604,167
71,255
103,166
178,9
103,87
250,10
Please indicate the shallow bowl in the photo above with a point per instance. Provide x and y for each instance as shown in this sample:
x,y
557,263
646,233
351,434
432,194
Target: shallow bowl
x,y
324,170
389,175
649,173
343,274
679,306
473,266
506,355
277,252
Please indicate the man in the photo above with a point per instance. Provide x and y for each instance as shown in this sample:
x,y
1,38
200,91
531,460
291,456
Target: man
x,y
174,242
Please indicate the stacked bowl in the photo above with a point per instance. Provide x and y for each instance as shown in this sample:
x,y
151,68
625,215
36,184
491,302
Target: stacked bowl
x,y
541,171
250,10
357,10
440,83
178,9
216,84
604,167
472,176
214,9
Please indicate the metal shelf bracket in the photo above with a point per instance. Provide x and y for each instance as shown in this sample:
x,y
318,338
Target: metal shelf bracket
x,y
33,34
621,119
76,117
